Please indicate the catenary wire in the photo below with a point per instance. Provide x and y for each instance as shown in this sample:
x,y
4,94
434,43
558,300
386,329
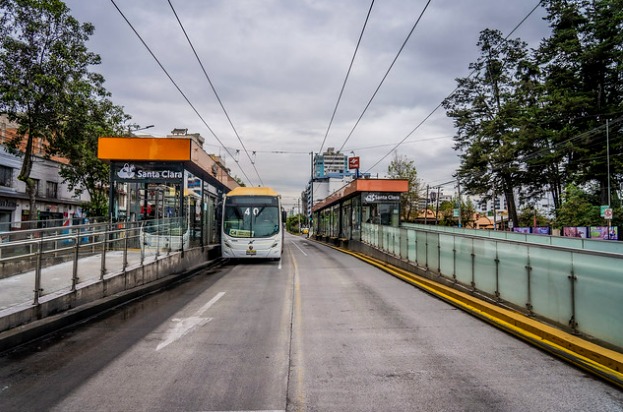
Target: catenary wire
x,y
449,95
394,146
385,76
215,92
178,88
352,60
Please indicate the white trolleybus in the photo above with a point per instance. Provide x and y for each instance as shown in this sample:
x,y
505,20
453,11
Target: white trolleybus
x,y
252,224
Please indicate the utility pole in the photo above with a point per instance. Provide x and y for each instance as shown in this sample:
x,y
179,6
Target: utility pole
x,y
426,206
311,194
298,206
437,207
608,170
458,186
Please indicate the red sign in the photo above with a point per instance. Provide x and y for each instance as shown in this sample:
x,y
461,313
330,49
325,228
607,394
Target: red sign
x,y
353,162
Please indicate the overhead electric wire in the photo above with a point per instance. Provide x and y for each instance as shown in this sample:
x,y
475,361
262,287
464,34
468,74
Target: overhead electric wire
x,y
386,74
352,60
177,87
215,92
449,95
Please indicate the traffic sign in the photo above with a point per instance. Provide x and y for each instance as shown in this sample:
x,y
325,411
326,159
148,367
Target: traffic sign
x,y
608,214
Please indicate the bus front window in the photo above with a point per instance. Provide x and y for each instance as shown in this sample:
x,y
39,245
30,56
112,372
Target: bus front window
x,y
251,221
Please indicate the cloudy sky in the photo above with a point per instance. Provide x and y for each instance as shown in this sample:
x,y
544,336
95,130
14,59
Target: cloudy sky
x,y
278,67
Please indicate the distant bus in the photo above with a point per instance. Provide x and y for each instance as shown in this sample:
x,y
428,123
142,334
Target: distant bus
x,y
252,224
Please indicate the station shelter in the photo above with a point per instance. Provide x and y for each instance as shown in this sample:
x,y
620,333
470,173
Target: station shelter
x,y
159,178
376,201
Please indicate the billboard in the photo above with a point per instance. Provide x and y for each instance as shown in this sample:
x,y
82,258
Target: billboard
x,y
577,231
541,230
604,233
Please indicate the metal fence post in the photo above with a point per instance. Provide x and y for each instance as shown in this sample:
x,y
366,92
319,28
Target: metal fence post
x,y
103,259
74,278
38,288
125,249
529,281
573,322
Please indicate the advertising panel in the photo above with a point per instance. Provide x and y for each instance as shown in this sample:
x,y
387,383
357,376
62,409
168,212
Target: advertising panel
x,y
603,233
577,231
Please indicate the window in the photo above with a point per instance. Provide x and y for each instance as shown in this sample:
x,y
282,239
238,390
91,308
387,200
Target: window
x,y
6,176
51,190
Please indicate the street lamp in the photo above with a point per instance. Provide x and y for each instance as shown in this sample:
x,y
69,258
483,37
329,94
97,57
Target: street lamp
x,y
137,129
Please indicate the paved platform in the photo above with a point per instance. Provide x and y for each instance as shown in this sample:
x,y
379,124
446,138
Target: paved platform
x,y
596,359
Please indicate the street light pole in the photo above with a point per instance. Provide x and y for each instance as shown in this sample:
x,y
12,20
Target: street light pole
x,y
130,131
608,170
298,206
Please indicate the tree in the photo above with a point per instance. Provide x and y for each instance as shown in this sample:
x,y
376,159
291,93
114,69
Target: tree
x,y
577,210
487,108
92,116
401,168
292,223
239,181
582,62
43,66
530,217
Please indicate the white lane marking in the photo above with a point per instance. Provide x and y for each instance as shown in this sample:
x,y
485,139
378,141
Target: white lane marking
x,y
298,247
185,325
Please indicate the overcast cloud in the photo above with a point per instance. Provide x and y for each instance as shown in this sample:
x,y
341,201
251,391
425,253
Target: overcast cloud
x,y
278,66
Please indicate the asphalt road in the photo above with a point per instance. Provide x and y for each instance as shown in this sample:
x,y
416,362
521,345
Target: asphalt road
x,y
318,331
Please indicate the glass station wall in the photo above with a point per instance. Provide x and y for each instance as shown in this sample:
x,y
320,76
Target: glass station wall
x,y
191,206
344,219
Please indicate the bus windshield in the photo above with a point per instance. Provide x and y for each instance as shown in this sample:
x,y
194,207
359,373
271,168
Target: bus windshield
x,y
251,217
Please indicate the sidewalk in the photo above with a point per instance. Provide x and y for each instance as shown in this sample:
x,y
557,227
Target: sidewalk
x,y
18,290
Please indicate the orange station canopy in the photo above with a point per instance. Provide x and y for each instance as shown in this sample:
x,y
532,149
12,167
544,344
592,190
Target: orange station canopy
x,y
363,185
166,149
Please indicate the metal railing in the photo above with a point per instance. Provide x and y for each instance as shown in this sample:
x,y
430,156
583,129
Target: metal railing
x,y
576,287
39,262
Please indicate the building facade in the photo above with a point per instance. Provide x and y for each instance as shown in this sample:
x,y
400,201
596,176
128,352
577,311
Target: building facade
x,y
54,202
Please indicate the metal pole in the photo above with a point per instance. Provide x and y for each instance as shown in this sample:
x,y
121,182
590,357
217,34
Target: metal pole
x,y
38,288
608,157
608,170
74,278
426,206
437,207
495,225
298,206
311,195
458,186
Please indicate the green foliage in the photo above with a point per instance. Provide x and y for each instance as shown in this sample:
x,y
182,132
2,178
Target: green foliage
x,y
239,181
534,121
528,215
577,210
46,87
446,213
487,109
292,223
402,168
